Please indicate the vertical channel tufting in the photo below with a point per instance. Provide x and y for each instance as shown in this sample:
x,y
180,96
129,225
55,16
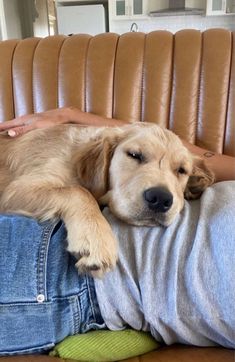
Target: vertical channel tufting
x,y
7,49
128,77
185,84
22,70
45,73
215,73
229,141
157,77
100,74
71,74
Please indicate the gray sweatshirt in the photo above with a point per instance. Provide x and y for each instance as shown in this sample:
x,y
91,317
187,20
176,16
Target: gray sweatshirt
x,y
177,282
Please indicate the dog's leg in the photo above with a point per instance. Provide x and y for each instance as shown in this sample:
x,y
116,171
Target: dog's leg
x,y
90,237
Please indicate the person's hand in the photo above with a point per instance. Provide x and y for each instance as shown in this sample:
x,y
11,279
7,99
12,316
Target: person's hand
x,y
24,124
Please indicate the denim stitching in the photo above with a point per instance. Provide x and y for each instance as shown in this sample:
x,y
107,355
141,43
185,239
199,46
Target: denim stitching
x,y
77,315
74,303
90,298
29,350
42,259
94,306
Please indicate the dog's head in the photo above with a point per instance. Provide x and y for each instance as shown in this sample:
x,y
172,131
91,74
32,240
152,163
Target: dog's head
x,y
142,172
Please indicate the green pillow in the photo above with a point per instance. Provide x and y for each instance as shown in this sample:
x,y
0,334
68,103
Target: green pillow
x,y
105,345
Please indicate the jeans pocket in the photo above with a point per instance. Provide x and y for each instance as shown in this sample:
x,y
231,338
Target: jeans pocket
x,y
24,247
26,328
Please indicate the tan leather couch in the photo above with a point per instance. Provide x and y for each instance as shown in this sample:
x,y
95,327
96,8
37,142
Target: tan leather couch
x,y
185,82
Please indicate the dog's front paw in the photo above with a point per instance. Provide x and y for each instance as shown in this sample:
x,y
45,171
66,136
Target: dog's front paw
x,y
97,264
95,247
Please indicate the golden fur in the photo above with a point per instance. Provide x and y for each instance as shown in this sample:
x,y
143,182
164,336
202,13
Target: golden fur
x,y
60,172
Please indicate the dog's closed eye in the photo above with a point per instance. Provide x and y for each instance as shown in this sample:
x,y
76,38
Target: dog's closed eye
x,y
182,171
136,156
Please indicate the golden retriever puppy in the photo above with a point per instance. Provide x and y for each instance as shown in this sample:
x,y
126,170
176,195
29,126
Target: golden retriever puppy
x,y
141,171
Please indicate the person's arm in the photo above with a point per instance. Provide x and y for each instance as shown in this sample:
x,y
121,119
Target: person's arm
x,y
223,166
24,124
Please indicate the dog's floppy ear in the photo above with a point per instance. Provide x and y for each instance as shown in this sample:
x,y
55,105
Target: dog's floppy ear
x,y
92,163
199,180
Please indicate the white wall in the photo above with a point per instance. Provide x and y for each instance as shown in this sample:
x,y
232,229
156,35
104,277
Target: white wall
x,y
10,21
40,25
2,20
201,4
16,19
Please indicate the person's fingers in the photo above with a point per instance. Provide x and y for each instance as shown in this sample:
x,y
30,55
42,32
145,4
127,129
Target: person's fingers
x,y
16,122
10,124
17,131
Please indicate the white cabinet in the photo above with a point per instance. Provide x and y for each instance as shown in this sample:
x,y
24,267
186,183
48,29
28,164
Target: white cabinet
x,y
127,9
220,7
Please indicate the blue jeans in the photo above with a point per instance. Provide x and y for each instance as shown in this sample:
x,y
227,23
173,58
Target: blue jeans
x,y
43,299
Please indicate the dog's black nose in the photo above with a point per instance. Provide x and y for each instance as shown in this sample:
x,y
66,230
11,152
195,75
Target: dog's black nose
x,y
158,199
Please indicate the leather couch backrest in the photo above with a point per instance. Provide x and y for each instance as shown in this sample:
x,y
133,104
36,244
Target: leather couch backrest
x,y
185,81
